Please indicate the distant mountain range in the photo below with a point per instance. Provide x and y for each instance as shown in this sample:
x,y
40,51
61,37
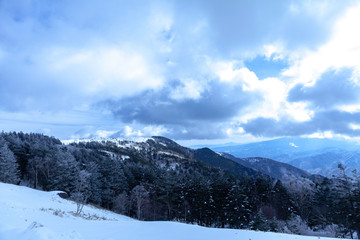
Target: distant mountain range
x,y
274,169
317,156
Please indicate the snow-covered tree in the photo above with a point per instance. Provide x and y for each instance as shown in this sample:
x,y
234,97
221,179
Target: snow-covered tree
x,y
65,175
9,171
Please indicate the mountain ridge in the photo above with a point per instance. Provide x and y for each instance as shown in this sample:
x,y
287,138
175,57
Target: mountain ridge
x,y
302,153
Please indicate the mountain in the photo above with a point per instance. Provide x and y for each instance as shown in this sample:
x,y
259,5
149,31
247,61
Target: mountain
x,y
30,214
156,179
326,163
165,153
217,160
149,179
272,168
314,155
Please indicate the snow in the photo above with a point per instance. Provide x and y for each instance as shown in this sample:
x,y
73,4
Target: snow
x,y
253,160
28,214
170,154
124,157
293,145
135,143
113,140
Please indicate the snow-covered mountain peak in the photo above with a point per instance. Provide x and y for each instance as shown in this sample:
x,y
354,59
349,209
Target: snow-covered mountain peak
x,y
113,140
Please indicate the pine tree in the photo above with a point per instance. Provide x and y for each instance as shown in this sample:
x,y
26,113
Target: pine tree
x,y
259,222
94,182
9,171
320,205
343,202
65,176
281,200
238,208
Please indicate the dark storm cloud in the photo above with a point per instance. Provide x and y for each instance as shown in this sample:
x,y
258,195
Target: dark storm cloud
x,y
332,89
200,118
218,102
336,121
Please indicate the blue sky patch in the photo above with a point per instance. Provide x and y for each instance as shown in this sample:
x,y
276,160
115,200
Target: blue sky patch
x,y
264,68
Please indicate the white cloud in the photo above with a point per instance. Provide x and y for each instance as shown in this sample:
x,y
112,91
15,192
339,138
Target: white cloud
x,y
354,126
341,50
130,132
106,70
189,89
154,131
235,131
274,51
104,133
299,111
273,91
325,134
146,131
352,108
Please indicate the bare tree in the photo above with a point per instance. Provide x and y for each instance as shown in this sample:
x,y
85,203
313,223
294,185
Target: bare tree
x,y
34,165
122,203
139,196
82,191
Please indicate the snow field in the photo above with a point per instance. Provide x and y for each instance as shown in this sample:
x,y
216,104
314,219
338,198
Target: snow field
x,y
28,214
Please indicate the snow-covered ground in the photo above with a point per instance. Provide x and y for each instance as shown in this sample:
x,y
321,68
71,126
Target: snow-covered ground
x,y
28,214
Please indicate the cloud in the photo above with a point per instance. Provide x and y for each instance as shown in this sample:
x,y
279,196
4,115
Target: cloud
x,y
63,55
341,50
333,88
182,68
203,109
322,88
241,27
334,121
216,103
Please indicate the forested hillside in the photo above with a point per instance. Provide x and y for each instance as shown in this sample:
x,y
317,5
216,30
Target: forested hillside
x,y
157,179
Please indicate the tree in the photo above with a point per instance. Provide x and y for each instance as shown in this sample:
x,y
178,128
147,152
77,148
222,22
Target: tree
x,y
259,222
82,192
238,209
321,203
65,175
343,204
113,181
140,197
282,202
122,203
94,182
9,171
356,201
167,191
34,165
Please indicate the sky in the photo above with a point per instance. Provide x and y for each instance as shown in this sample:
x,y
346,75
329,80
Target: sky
x,y
200,71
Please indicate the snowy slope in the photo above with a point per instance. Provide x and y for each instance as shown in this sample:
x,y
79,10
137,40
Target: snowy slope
x,y
27,214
